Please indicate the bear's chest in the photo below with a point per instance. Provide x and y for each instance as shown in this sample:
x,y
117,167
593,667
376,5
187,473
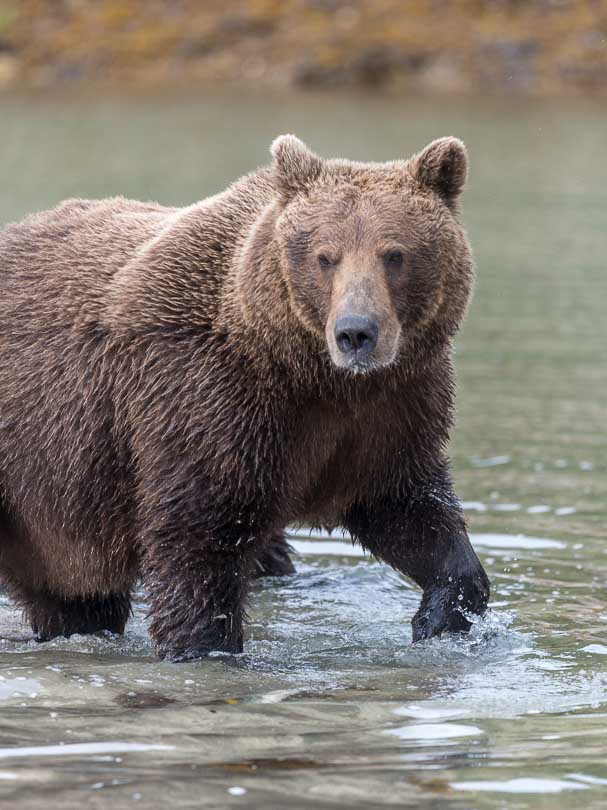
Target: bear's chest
x,y
337,455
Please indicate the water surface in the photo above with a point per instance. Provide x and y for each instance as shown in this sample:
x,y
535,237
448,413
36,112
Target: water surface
x,y
330,705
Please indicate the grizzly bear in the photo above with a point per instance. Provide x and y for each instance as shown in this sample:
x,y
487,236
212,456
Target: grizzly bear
x,y
178,385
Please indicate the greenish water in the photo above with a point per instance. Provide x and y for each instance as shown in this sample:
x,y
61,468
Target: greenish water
x,y
330,705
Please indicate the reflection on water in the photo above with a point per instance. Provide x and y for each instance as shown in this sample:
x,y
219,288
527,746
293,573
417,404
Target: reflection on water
x,y
330,704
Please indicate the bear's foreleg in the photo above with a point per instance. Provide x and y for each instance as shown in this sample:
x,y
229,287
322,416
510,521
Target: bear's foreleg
x,y
198,586
208,491
423,535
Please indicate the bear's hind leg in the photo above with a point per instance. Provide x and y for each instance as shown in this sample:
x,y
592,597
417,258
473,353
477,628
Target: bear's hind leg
x,y
274,559
51,616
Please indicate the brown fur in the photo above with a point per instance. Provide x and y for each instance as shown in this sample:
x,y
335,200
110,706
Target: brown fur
x,y
171,396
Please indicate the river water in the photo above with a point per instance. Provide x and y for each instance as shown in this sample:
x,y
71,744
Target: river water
x,y
330,705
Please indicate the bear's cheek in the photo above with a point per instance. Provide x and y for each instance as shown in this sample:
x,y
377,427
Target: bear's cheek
x,y
418,304
417,292
310,294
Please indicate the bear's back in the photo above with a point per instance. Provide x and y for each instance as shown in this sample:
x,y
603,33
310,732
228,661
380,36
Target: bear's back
x,y
55,262
56,265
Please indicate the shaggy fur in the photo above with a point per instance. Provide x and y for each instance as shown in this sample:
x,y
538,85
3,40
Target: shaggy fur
x,y
170,396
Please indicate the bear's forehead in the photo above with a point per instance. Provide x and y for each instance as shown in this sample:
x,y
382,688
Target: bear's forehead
x,y
366,178
344,211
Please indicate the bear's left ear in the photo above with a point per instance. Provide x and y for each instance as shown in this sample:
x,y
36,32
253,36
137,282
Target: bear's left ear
x,y
443,168
295,166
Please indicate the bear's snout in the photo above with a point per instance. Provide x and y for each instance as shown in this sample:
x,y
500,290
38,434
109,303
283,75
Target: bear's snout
x,y
356,337
362,328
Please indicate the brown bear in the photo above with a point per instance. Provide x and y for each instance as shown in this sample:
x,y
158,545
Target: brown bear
x,y
178,385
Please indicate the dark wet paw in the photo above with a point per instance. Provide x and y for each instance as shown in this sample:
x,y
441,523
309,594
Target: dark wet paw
x,y
443,609
275,561
223,634
195,649
435,619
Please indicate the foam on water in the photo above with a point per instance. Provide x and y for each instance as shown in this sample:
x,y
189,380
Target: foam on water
x,y
433,731
428,710
14,687
525,785
79,749
590,780
596,649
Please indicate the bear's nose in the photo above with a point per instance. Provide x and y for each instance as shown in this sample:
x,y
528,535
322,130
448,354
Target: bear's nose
x,y
356,334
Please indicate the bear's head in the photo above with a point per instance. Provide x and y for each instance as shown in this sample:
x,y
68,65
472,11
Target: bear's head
x,y
372,253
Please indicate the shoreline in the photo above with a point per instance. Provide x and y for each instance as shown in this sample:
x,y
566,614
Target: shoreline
x,y
536,49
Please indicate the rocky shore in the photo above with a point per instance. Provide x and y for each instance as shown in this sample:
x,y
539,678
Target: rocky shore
x,y
501,46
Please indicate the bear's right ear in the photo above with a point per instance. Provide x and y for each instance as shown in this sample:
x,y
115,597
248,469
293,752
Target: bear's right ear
x,y
442,167
295,166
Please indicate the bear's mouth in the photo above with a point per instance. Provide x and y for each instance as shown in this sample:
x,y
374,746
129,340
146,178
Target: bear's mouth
x,y
356,365
360,348
359,365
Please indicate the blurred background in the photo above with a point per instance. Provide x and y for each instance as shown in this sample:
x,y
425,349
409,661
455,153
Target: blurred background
x,y
540,46
330,705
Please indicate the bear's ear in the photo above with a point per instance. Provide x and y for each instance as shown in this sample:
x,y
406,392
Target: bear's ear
x,y
295,166
443,168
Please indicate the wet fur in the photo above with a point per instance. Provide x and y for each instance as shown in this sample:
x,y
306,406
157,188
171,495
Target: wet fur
x,y
168,403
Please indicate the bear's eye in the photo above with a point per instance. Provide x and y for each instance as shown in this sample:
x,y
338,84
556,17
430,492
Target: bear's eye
x,y
324,261
394,258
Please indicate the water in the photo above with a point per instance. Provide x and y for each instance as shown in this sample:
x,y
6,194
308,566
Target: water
x,y
330,705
